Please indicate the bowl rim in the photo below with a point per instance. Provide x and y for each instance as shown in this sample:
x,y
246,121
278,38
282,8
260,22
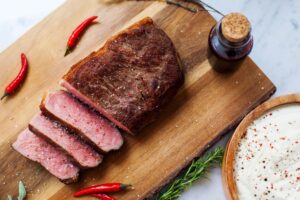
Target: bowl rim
x,y
229,184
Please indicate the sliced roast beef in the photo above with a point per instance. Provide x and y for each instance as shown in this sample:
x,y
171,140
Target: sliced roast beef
x,y
130,78
90,126
38,150
82,154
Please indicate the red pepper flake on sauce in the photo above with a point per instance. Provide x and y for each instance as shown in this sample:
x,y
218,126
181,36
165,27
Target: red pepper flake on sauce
x,y
275,152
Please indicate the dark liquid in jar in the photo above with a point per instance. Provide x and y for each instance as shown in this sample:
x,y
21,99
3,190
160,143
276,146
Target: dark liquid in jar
x,y
227,56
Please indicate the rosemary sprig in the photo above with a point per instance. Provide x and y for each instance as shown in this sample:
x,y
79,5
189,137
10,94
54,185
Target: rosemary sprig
x,y
197,170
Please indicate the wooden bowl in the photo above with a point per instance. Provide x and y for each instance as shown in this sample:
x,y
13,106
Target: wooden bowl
x,y
229,157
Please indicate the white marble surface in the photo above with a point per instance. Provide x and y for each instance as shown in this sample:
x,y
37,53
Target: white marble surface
x,y
276,30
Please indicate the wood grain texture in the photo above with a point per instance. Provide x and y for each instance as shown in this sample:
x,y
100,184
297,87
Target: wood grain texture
x,y
229,157
207,106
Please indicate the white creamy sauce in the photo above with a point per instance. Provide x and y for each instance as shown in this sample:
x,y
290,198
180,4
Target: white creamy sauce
x,y
267,163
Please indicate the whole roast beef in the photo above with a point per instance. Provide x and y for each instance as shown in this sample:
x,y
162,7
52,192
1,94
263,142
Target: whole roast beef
x,y
130,77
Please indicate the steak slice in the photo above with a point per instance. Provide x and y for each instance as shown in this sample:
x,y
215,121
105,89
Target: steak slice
x,y
93,128
38,150
130,77
83,155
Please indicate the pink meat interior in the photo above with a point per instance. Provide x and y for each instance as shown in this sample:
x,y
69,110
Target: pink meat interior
x,y
86,100
48,156
81,152
97,129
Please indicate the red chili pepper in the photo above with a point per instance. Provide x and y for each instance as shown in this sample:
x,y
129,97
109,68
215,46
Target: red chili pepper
x,y
103,197
77,32
19,78
102,188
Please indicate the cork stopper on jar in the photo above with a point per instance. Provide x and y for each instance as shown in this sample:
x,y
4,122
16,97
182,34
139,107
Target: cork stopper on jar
x,y
235,27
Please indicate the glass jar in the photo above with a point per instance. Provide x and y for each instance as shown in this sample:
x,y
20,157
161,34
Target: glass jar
x,y
230,47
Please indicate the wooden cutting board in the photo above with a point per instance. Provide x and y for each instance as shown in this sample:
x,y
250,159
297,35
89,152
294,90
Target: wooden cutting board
x,y
206,107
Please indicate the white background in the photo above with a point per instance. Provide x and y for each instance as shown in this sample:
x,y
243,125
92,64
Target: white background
x,y
276,30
